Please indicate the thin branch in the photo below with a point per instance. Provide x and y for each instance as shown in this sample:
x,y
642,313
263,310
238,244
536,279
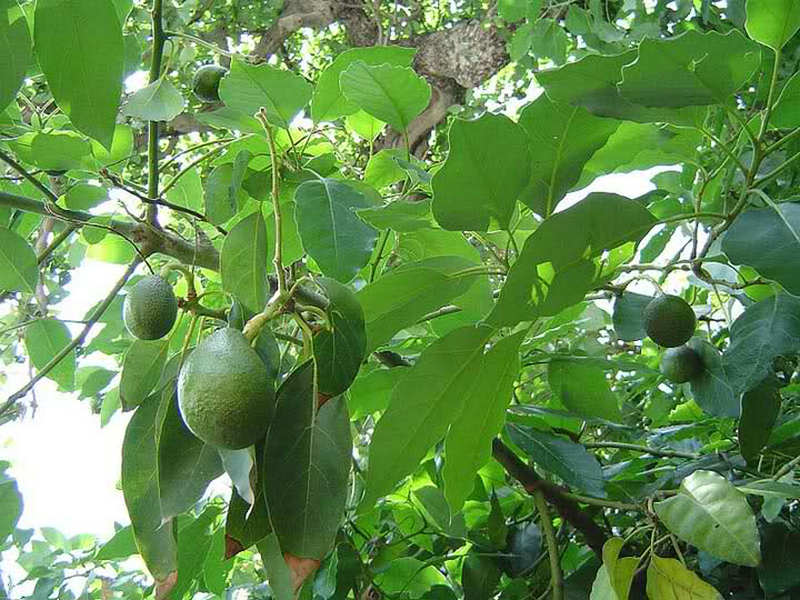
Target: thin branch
x,y
556,575
643,449
277,259
157,54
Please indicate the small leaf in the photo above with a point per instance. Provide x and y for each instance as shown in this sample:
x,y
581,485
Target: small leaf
x,y
159,101
246,524
760,408
122,545
713,389
15,48
243,262
80,50
44,338
141,371
393,94
332,233
582,388
614,578
10,505
559,456
18,267
628,316
772,23
668,579
84,196
486,170
711,514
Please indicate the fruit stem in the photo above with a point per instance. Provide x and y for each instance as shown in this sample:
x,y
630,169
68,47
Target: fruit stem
x,y
276,205
556,575
191,290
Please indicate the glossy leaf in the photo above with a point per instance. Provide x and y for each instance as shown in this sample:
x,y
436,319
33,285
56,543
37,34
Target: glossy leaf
x,y
332,233
424,404
391,93
306,466
248,88
614,578
44,338
714,389
582,388
338,352
18,267
159,101
668,579
80,49
561,457
243,262
711,514
141,371
760,408
486,170
15,50
772,23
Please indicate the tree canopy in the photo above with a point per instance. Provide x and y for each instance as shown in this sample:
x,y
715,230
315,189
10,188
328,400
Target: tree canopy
x,y
345,230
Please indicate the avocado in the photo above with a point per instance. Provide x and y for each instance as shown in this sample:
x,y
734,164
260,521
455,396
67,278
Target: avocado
x,y
150,308
225,394
206,82
681,364
669,320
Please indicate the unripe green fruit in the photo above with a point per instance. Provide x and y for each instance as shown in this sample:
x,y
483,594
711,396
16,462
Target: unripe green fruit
x,y
150,308
681,364
669,321
205,84
225,394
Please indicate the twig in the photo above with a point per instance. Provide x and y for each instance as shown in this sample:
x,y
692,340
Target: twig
x,y
556,575
643,449
277,259
152,126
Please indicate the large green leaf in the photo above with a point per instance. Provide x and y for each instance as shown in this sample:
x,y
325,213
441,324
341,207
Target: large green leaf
x,y
779,573
424,404
306,466
331,230
338,351
408,293
154,538
44,338
562,139
693,69
248,88
159,101
391,93
243,262
766,330
711,514
15,50
772,23
468,445
141,371
768,239
561,457
553,270
80,49
329,102
487,168
18,266
760,408
186,465
668,579
713,389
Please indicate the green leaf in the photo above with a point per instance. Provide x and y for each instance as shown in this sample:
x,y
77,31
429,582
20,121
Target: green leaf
x,y
121,545
188,191
400,216
479,577
614,578
306,466
221,197
583,389
760,408
668,579
561,457
771,489
194,542
57,151
186,465
628,316
332,233
278,573
371,392
693,69
768,239
44,338
10,505
83,196
525,546
766,330
329,102
15,50
562,139
154,538
391,93
338,351
19,271
553,271
424,404
711,514
246,525
772,23
410,577
243,262
159,101
80,49
714,389
486,169
786,114
383,168
778,572
468,445
549,40
248,88
141,371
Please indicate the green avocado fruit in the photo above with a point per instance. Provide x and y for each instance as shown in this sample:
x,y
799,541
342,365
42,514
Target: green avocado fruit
x,y
225,394
669,321
150,308
681,364
205,84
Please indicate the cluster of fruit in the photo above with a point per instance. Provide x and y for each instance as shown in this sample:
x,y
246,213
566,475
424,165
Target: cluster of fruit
x,y
670,322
